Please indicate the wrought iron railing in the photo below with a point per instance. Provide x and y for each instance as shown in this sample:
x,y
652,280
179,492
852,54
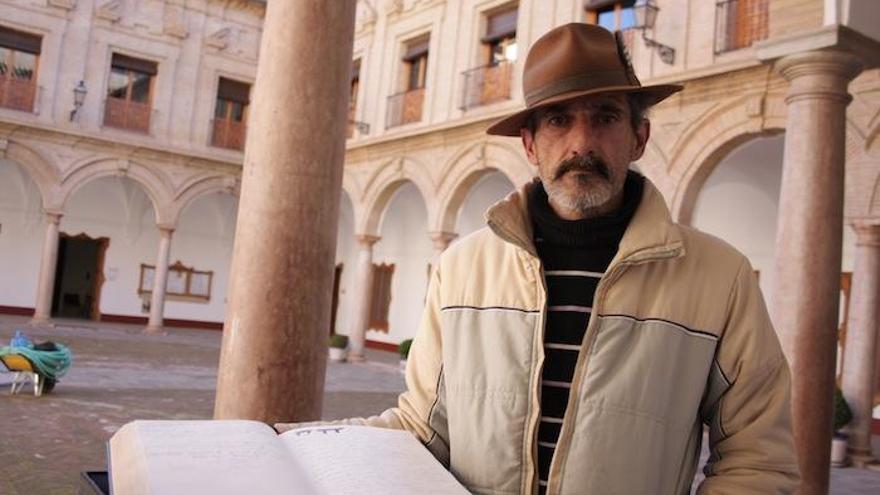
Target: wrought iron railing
x,y
739,24
406,107
127,114
486,84
228,134
17,94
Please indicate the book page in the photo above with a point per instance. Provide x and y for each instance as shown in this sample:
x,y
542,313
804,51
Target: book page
x,y
360,459
216,457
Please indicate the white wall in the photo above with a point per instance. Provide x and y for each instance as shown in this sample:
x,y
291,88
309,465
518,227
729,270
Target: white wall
x,y
491,188
346,254
203,240
405,243
21,236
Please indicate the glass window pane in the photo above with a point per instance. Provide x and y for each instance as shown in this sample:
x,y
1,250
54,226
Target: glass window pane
x,y
627,18
140,88
606,20
23,65
220,109
415,69
237,111
510,51
118,83
4,53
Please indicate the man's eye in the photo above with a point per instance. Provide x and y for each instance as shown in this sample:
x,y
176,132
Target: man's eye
x,y
606,119
557,120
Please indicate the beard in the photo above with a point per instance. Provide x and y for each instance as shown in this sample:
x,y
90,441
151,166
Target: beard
x,y
597,184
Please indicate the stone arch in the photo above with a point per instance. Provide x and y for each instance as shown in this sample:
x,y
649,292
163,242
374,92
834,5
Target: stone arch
x,y
382,187
40,170
155,185
467,167
711,138
199,187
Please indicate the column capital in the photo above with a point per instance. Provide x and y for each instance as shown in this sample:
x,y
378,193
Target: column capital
x,y
53,216
165,230
867,232
366,240
821,74
442,239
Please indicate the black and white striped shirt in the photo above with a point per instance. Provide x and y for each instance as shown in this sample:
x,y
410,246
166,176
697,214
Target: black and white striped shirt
x,y
575,255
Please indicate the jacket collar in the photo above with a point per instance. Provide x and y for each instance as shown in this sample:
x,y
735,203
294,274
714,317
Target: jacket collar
x,y
651,232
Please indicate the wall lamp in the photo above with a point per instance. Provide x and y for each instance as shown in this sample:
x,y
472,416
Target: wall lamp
x,y
645,12
79,96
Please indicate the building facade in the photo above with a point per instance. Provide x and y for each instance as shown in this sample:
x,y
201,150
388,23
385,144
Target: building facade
x,y
122,124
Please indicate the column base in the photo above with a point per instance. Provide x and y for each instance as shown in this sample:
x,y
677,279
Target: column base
x,y
356,358
40,321
864,460
155,330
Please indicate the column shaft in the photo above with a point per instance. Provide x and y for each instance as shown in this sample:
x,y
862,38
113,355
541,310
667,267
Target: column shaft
x,y
364,297
861,340
46,283
274,349
808,253
160,281
441,241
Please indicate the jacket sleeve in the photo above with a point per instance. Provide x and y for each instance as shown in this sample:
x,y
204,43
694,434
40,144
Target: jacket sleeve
x,y
747,405
421,408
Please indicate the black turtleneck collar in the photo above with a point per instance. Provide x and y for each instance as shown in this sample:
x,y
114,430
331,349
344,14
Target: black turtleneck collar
x,y
603,231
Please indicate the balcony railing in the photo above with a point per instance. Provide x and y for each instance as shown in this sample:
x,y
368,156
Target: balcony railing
x,y
739,24
228,134
487,84
406,107
18,94
128,115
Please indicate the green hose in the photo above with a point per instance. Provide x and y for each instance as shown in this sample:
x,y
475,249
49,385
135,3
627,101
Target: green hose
x,y
49,364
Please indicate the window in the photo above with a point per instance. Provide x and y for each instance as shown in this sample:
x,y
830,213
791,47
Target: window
x,y
381,297
611,14
353,93
184,283
406,107
500,38
739,23
19,60
129,98
230,114
490,82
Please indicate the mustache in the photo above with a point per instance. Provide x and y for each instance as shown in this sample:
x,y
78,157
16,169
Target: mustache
x,y
583,163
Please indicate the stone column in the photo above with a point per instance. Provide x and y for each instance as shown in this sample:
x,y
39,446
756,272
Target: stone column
x,y
160,281
861,345
441,241
48,263
363,283
274,349
808,241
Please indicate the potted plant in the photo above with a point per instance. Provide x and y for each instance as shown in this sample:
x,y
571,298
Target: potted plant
x,y
842,416
403,350
338,345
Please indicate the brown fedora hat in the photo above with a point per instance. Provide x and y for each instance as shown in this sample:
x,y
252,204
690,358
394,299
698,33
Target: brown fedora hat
x,y
576,60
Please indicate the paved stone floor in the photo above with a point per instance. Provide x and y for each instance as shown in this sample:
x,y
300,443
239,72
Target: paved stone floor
x,y
120,375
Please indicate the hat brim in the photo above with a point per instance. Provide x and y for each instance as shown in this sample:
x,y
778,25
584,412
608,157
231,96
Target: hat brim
x,y
512,124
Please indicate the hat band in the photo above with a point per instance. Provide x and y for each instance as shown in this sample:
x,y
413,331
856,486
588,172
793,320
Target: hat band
x,y
580,82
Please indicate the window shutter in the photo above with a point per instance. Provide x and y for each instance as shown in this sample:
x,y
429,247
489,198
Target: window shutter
x,y
501,25
416,49
125,62
17,40
234,91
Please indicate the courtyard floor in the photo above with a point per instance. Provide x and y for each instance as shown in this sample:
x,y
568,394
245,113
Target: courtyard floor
x,y
120,374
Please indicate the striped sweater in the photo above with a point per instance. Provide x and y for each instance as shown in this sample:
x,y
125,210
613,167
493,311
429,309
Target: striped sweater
x,y
575,255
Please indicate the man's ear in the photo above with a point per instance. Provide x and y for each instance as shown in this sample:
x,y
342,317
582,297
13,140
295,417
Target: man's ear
x,y
528,140
642,134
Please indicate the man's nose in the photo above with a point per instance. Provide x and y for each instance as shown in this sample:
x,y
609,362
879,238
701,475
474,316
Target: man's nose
x,y
581,137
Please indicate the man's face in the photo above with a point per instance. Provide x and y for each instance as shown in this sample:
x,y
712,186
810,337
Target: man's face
x,y
582,149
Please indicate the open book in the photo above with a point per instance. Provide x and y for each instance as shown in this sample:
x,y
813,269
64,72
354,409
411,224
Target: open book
x,y
236,457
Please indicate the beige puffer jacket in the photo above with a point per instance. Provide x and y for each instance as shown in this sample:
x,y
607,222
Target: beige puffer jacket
x,y
679,336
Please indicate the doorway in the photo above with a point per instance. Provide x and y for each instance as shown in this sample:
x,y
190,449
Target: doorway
x,y
79,275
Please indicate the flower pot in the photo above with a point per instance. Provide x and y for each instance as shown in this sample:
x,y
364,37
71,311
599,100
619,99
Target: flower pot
x,y
838,451
337,354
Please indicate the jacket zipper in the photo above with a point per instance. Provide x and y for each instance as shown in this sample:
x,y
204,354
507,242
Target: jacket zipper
x,y
530,478
561,453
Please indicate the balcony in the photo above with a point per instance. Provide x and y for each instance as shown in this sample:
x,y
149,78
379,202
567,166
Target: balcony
x,y
739,24
229,134
128,115
405,108
487,84
18,94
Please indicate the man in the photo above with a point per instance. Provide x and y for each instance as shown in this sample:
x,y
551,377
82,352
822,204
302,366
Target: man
x,y
581,341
